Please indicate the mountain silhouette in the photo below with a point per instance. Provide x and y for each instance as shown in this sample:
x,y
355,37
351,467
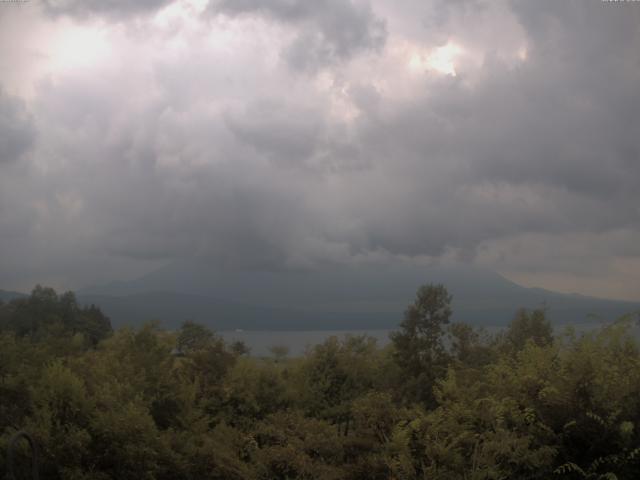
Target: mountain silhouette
x,y
346,297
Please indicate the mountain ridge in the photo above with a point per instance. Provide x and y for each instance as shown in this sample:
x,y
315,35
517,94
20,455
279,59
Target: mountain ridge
x,y
8,295
334,298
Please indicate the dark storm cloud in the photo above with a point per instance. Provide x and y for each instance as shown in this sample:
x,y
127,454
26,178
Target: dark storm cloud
x,y
555,138
291,136
327,30
584,71
153,184
17,132
114,9
217,153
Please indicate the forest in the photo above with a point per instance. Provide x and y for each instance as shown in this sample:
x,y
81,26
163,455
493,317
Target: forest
x,y
443,400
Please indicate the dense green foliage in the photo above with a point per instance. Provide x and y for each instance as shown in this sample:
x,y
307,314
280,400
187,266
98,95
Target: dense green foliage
x,y
442,401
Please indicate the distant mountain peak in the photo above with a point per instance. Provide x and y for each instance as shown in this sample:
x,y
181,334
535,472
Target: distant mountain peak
x,y
366,296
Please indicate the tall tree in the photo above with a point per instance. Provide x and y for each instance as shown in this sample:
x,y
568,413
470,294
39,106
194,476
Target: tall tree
x,y
419,349
193,336
528,326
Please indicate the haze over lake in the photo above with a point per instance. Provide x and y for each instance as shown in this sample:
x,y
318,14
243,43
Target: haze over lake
x,y
299,342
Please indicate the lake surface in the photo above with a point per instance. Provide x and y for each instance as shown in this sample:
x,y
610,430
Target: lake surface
x,y
298,341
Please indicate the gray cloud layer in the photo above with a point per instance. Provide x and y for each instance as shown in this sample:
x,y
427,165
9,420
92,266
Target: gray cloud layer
x,y
327,30
227,156
114,9
17,132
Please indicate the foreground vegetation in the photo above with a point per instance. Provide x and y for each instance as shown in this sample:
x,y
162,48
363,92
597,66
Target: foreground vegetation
x,y
442,401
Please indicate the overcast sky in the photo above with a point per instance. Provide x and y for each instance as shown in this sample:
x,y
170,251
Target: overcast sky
x,y
295,133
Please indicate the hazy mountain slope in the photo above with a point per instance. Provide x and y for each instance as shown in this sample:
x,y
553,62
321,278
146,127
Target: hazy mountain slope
x,y
173,308
7,296
338,297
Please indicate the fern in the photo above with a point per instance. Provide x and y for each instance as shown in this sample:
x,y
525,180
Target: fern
x,y
569,467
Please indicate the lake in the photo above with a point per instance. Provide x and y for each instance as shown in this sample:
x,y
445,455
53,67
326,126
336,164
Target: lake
x,y
298,341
